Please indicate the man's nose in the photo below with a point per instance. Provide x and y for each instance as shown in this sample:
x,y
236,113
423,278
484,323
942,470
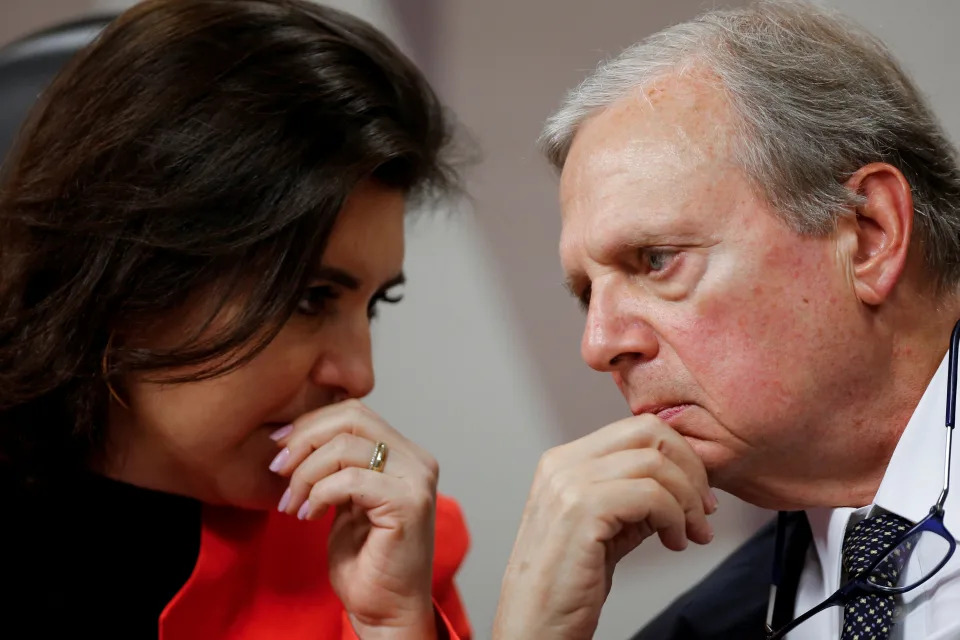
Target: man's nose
x,y
616,335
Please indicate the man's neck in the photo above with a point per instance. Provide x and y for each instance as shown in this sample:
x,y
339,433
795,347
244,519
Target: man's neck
x,y
856,446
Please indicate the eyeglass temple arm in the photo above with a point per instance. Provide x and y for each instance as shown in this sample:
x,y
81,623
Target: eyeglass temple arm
x,y
951,410
946,473
833,600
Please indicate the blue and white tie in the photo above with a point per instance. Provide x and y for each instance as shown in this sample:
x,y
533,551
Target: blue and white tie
x,y
871,616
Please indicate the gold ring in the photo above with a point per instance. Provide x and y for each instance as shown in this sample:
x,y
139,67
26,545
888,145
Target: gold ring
x,y
379,457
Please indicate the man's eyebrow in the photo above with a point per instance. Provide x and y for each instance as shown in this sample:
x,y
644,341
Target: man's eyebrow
x,y
648,240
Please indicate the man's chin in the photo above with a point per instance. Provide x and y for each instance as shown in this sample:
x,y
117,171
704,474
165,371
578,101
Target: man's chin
x,y
715,458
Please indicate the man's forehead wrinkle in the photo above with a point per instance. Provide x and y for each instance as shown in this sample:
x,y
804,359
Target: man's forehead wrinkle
x,y
645,139
631,162
616,181
695,95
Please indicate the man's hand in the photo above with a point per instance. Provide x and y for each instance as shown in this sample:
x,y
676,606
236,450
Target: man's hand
x,y
592,502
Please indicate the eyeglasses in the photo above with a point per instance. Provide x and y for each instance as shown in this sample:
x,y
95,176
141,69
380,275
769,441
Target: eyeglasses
x,y
917,555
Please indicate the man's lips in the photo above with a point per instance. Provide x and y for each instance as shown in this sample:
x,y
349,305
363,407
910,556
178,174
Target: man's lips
x,y
662,411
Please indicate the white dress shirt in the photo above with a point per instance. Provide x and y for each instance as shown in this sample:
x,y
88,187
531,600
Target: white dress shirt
x,y
910,486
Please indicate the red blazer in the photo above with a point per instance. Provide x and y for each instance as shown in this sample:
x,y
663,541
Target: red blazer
x,y
263,575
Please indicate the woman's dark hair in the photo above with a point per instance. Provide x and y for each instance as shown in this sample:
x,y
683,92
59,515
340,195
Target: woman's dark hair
x,y
196,148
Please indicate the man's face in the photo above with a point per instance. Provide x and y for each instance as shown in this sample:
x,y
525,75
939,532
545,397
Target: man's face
x,y
706,308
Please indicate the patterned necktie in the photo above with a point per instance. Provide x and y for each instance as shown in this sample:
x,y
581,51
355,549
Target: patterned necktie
x,y
870,616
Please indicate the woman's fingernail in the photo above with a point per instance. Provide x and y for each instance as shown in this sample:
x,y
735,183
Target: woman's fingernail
x,y
280,460
714,502
284,500
304,510
281,433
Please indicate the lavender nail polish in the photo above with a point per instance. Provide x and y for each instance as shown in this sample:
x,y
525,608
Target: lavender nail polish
x,y
281,433
304,510
284,500
280,460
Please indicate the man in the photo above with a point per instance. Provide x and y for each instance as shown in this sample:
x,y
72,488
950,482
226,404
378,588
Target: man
x,y
761,219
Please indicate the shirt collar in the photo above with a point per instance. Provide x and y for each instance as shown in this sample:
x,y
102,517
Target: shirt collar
x,y
914,477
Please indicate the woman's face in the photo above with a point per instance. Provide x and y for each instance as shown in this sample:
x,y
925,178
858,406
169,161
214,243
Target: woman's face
x,y
211,439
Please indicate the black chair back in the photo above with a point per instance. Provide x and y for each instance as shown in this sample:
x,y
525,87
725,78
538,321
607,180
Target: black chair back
x,y
28,65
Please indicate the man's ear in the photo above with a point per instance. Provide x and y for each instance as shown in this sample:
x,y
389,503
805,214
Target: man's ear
x,y
881,231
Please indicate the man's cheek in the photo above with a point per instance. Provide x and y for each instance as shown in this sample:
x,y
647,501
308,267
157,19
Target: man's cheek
x,y
736,364
734,320
739,380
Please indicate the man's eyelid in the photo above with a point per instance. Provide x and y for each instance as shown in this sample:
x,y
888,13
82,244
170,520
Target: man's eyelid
x,y
660,248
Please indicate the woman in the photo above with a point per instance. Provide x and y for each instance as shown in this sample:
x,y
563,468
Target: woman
x,y
199,222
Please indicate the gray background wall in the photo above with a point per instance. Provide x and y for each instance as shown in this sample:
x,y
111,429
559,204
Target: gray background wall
x,y
481,363
22,16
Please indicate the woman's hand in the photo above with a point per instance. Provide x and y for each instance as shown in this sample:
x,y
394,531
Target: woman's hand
x,y
381,543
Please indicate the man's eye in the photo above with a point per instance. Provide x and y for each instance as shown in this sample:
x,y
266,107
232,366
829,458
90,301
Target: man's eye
x,y
316,300
658,259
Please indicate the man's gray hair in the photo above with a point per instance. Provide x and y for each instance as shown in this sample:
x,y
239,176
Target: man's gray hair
x,y
815,98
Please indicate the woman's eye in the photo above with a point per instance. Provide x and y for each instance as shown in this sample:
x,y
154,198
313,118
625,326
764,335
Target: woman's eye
x,y
316,300
384,297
